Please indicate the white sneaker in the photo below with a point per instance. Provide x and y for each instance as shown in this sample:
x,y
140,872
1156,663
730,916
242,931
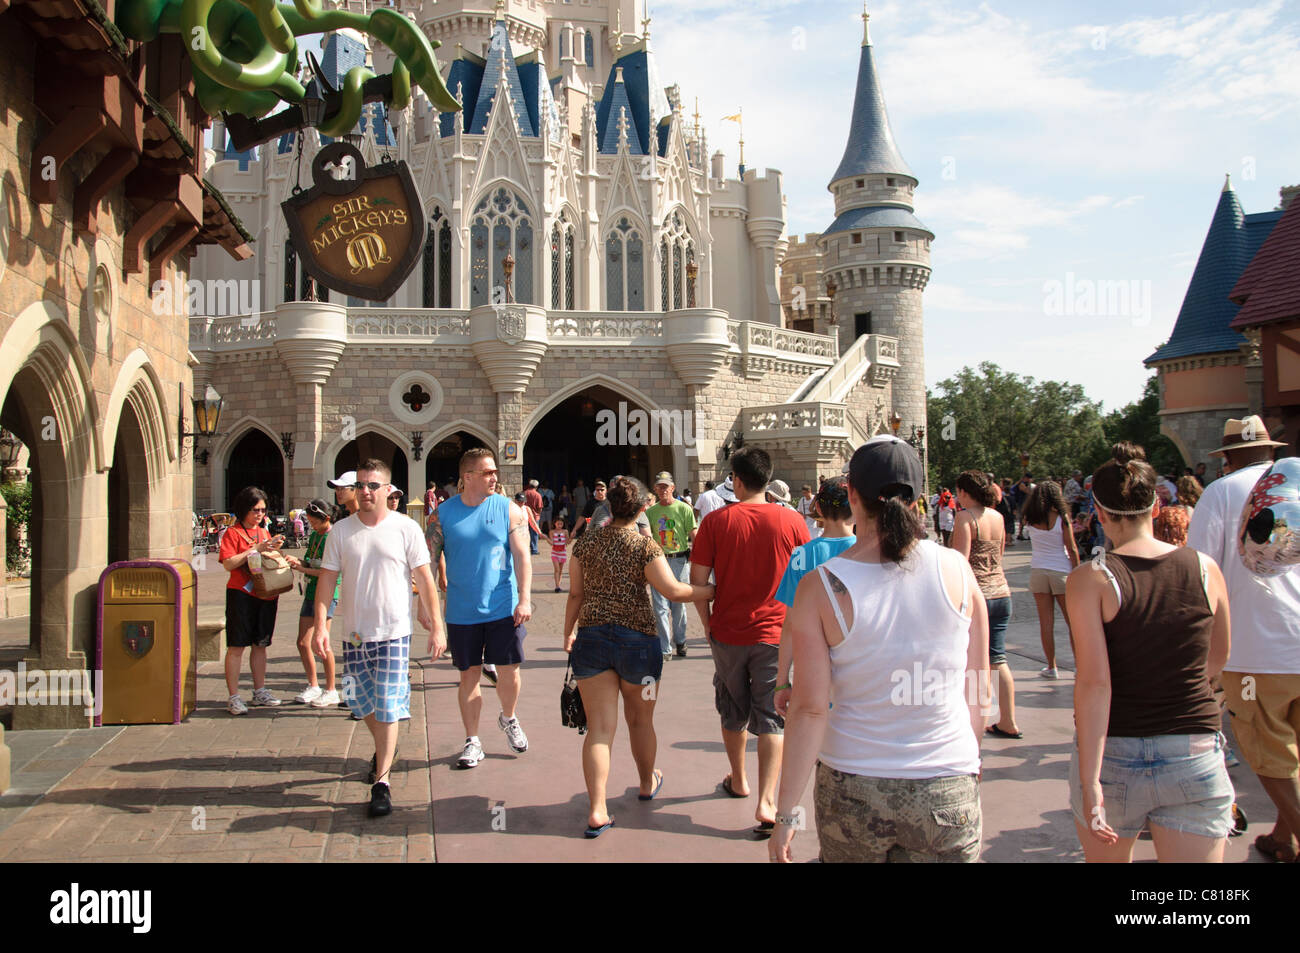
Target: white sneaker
x,y
236,706
325,700
514,733
471,756
264,699
309,695
1048,673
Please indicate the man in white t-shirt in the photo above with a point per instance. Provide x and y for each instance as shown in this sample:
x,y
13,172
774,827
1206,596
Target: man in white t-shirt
x,y
1261,679
378,551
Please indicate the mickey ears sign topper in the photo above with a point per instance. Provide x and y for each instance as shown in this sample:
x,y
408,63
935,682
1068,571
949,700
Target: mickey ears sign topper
x,y
357,230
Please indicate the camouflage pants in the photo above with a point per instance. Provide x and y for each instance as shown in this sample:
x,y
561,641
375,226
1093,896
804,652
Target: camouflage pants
x,y
897,820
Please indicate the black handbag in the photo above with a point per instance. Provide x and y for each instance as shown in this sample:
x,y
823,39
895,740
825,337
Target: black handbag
x,y
572,714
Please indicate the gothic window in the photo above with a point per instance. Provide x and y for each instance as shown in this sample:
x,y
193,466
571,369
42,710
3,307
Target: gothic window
x,y
676,251
562,264
501,226
290,272
437,262
624,268
589,50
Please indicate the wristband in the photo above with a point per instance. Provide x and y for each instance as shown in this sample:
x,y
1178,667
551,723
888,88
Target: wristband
x,y
781,688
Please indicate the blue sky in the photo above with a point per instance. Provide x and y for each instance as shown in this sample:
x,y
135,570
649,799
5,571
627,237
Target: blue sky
x,y
1054,142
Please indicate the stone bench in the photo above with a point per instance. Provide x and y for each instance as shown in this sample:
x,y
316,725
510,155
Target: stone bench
x,y
209,640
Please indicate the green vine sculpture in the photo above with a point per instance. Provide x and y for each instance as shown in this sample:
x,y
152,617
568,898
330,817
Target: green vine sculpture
x,y
245,53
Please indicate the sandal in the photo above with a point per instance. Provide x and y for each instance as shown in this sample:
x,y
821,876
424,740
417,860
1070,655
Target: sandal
x,y
995,730
726,786
591,833
764,830
658,784
1275,850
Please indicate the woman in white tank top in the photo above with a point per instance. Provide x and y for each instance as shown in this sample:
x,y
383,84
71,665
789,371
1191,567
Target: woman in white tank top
x,y
896,631
1055,554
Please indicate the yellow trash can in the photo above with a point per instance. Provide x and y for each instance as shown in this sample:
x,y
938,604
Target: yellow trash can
x,y
145,642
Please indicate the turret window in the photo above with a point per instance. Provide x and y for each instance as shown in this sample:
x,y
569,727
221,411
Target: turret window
x,y
502,225
857,238
889,182
898,237
860,183
625,268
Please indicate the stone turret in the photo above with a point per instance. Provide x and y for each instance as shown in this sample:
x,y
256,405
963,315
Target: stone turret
x,y
876,251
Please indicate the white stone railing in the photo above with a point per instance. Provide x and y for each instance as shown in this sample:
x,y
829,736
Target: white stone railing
x,y
882,350
624,325
754,336
406,322
806,419
233,329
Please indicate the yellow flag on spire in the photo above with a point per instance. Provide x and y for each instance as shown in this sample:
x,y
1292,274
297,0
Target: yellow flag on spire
x,y
735,118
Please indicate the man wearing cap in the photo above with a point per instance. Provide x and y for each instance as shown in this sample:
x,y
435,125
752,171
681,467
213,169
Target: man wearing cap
x,y
778,491
345,496
533,500
747,546
672,525
1261,680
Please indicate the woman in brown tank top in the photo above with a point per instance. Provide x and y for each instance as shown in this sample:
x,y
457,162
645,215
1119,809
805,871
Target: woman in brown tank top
x,y
1151,629
980,535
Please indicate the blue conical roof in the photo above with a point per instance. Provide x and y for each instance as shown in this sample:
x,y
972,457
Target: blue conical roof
x,y
499,60
1203,321
871,147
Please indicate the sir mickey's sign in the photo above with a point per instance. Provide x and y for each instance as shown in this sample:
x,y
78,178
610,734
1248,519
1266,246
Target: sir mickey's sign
x,y
357,230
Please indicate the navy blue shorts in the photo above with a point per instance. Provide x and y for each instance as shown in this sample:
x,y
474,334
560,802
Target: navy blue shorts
x,y
634,655
499,642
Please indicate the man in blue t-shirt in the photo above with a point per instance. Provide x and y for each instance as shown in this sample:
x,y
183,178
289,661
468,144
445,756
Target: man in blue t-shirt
x,y
832,504
484,537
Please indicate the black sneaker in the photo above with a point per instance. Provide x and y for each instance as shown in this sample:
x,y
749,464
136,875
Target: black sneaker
x,y
681,650
381,804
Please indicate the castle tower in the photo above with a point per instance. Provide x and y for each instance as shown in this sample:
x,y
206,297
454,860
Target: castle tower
x,y
876,251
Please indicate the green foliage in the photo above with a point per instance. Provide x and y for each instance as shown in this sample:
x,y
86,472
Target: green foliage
x,y
1139,422
18,500
983,419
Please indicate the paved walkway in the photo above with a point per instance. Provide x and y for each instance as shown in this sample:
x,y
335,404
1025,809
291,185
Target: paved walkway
x,y
287,783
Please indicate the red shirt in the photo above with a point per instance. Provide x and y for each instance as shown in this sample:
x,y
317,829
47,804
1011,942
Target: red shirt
x,y
533,500
234,541
749,546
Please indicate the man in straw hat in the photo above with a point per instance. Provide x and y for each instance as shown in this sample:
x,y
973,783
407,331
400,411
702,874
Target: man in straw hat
x,y
1262,677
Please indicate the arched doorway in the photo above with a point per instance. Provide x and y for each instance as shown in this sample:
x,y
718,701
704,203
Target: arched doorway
x,y
128,491
442,464
257,461
593,435
377,446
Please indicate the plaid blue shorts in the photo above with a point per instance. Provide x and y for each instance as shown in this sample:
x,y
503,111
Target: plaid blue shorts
x,y
376,679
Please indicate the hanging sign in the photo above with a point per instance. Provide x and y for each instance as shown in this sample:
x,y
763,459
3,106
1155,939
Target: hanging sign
x,y
357,230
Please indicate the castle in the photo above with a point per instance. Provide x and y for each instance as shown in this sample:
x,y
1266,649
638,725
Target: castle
x,y
643,277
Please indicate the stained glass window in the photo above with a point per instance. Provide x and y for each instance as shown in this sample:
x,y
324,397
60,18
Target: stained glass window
x,y
503,220
677,248
614,272
625,268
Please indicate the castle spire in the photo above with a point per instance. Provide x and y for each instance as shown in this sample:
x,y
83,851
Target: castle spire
x,y
871,147
866,37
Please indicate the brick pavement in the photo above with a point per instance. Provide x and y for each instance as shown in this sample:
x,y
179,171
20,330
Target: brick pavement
x,y
286,784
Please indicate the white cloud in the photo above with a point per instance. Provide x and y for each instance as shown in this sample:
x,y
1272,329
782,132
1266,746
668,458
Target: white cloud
x,y
944,297
993,221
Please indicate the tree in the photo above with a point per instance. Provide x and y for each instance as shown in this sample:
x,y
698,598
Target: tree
x,y
1139,422
983,419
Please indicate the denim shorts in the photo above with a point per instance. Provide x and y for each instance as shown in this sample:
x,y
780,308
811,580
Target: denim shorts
x,y
999,618
634,655
309,608
1178,782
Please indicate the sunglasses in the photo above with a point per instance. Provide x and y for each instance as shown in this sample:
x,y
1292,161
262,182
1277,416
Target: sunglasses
x,y
372,487
486,472
259,509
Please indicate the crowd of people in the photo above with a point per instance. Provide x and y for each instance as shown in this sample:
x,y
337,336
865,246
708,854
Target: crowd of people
x,y
831,617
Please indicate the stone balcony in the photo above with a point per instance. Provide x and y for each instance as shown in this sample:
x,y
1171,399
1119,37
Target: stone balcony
x,y
811,431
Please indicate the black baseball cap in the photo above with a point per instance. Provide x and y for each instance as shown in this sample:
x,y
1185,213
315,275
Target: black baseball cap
x,y
886,463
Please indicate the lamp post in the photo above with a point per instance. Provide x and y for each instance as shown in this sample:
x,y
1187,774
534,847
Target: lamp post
x,y
11,449
207,414
895,422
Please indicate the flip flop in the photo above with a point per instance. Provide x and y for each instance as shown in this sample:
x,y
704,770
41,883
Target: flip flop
x,y
726,786
658,785
593,832
764,830
995,730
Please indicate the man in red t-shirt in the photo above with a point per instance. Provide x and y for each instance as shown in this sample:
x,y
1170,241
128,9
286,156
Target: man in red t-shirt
x,y
533,500
747,546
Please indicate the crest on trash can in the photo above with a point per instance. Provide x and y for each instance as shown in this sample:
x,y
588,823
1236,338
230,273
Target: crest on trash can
x,y
137,638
